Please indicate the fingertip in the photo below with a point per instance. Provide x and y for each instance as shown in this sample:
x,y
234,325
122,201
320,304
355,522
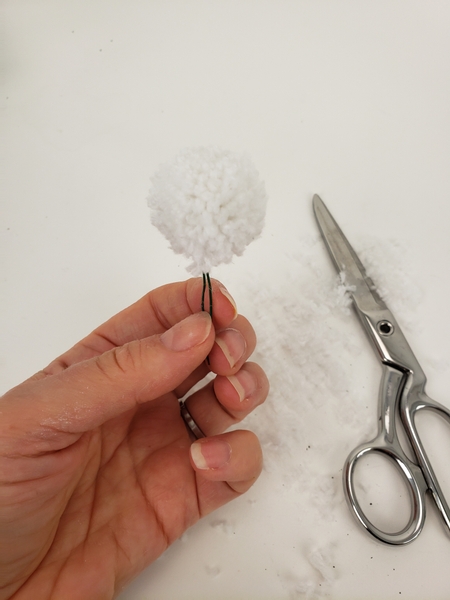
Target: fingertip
x,y
234,457
229,351
239,391
210,453
191,331
223,290
224,308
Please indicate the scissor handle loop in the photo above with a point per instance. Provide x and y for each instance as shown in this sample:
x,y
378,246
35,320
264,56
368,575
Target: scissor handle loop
x,y
416,487
410,406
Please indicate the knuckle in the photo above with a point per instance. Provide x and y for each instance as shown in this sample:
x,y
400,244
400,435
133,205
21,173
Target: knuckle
x,y
123,359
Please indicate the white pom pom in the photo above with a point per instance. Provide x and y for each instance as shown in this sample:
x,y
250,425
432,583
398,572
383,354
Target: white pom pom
x,y
210,204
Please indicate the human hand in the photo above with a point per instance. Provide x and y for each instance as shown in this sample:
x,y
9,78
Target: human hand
x,y
98,473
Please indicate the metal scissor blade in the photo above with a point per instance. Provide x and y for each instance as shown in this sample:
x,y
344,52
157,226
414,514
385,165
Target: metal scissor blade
x,y
347,263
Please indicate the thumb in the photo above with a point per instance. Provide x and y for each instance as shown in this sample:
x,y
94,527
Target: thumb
x,y
89,393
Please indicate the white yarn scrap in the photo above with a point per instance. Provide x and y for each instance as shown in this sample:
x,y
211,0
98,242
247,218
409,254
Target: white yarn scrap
x,y
209,204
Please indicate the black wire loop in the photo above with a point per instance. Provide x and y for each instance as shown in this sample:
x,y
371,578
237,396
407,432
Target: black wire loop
x,y
207,282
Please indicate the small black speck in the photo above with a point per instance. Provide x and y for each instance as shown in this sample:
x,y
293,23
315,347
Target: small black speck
x,y
334,566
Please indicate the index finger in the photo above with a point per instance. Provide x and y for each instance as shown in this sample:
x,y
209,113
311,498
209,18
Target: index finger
x,y
154,313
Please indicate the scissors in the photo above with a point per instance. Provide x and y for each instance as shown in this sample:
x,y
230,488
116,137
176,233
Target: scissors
x,y
402,392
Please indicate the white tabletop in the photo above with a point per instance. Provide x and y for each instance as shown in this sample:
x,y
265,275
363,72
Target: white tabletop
x,y
347,99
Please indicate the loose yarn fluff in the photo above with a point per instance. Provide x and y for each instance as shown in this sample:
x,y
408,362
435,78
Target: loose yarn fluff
x,y
209,204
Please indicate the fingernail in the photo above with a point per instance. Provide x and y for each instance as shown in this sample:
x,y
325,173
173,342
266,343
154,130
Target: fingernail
x,y
223,290
210,453
232,344
243,383
188,333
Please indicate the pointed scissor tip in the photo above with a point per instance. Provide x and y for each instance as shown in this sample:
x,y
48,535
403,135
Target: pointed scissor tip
x,y
317,202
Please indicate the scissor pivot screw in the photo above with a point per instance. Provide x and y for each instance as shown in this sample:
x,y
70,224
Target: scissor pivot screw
x,y
385,328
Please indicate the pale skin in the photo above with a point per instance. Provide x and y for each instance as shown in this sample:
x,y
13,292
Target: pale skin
x,y
98,472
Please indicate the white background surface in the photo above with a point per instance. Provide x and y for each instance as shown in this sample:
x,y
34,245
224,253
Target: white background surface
x,y
348,99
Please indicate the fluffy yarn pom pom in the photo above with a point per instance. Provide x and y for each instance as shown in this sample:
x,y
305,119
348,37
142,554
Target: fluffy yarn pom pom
x,y
210,204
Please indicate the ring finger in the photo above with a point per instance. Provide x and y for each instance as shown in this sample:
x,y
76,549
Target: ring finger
x,y
225,401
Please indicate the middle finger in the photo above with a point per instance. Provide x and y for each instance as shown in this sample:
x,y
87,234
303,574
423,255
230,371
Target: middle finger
x,y
232,347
